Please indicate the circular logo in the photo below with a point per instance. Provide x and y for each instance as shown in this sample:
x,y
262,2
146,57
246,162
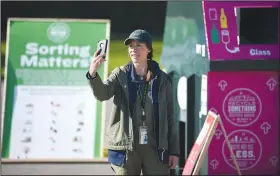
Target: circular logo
x,y
58,32
242,107
246,147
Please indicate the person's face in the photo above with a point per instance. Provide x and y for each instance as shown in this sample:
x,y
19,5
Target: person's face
x,y
138,52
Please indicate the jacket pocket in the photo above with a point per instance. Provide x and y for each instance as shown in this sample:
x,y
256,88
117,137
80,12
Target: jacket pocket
x,y
161,96
114,133
118,97
162,103
117,157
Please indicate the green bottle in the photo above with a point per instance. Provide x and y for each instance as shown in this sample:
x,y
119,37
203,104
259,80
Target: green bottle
x,y
214,34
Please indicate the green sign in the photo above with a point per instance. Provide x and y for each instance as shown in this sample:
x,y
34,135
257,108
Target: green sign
x,y
182,51
49,109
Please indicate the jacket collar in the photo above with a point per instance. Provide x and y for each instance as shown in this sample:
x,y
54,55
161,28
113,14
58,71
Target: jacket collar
x,y
124,71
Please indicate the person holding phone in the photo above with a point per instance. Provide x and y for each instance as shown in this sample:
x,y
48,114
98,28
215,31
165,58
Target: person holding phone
x,y
142,131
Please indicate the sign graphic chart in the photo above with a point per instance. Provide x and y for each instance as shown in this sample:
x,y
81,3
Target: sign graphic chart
x,y
49,109
248,105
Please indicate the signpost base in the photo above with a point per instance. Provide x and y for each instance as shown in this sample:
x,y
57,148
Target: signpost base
x,y
200,147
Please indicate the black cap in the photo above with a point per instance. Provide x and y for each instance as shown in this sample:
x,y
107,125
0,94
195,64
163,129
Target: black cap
x,y
141,36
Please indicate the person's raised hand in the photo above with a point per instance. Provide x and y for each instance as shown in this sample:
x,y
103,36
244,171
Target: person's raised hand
x,y
96,61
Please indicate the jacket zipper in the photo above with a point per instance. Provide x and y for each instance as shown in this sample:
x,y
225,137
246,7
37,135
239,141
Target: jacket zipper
x,y
153,109
159,88
132,140
162,154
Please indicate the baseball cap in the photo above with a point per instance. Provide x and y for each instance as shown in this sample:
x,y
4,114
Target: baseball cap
x,y
141,36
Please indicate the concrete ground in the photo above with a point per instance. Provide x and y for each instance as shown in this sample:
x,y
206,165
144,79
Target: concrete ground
x,y
27,168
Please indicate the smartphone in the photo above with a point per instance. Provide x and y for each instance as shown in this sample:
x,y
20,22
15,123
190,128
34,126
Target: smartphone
x,y
103,44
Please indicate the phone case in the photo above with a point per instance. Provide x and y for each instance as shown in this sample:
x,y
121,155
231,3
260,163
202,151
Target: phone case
x,y
103,45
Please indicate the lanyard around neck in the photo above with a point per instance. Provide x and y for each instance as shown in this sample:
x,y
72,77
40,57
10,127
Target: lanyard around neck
x,y
143,100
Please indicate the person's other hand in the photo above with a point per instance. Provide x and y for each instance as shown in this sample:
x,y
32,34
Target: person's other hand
x,y
173,160
97,60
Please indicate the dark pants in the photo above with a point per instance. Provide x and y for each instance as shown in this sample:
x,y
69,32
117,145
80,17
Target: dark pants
x,y
144,159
